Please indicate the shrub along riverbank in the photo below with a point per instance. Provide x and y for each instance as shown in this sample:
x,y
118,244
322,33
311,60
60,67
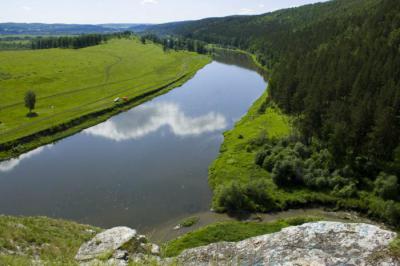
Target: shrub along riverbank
x,y
263,167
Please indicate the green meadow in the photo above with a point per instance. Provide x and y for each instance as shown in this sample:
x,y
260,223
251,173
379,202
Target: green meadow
x,y
236,159
70,84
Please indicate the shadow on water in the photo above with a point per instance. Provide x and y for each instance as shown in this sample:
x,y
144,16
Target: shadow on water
x,y
230,57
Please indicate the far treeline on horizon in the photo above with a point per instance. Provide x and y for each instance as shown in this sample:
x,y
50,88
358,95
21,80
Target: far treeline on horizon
x,y
324,134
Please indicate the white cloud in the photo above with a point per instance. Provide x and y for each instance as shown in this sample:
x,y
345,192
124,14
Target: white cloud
x,y
247,11
146,119
9,165
261,5
149,2
26,8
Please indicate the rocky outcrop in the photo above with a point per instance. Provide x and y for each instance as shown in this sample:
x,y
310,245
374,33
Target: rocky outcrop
x,y
115,246
105,243
321,243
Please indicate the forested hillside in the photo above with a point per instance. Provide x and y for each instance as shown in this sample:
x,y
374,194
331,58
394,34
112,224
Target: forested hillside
x,y
335,68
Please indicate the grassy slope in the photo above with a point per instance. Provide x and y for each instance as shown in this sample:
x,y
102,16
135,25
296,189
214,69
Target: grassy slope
x,y
228,231
236,159
49,240
73,83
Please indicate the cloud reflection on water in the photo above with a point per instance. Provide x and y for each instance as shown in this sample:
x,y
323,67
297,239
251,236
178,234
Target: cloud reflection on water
x,y
9,165
149,118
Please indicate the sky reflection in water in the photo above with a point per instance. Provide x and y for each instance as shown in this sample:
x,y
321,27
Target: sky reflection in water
x,y
140,168
147,119
9,165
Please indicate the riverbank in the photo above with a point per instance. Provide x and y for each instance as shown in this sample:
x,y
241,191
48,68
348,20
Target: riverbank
x,y
239,183
65,111
171,230
253,57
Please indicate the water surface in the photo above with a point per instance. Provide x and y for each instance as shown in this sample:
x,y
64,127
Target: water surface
x,y
140,168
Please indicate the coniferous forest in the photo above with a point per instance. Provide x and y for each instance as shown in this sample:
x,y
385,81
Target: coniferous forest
x,y
335,69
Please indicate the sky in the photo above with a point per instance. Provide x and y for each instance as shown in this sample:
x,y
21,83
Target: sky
x,y
134,11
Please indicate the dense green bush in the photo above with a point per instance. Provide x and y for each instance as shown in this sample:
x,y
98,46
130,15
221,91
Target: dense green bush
x,y
256,191
387,186
392,212
287,172
347,191
235,197
231,198
293,164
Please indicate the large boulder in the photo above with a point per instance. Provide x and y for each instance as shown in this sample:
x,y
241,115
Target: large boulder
x,y
321,243
105,244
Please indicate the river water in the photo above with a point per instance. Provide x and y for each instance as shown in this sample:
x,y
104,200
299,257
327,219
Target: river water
x,y
140,168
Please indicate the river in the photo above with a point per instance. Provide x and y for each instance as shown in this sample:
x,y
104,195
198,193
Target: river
x,y
140,168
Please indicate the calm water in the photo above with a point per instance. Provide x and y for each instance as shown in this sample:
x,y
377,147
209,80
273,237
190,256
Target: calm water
x,y
140,168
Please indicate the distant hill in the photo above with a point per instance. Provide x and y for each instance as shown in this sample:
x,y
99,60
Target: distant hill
x,y
65,29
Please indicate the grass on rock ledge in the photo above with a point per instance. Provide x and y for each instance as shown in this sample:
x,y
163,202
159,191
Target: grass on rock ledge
x,y
395,247
23,239
230,232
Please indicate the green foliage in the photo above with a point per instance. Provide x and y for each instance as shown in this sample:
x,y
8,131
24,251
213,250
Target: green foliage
x,y
188,222
75,42
287,172
347,191
387,186
48,239
395,247
176,43
236,197
30,100
228,231
231,198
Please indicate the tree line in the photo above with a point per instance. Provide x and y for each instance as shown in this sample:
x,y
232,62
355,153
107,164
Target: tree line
x,y
75,42
176,43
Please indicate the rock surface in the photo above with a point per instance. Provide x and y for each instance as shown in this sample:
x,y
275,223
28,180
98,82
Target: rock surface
x,y
322,243
105,243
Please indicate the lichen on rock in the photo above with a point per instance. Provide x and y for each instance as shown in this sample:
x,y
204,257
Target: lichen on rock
x,y
318,243
103,245
321,243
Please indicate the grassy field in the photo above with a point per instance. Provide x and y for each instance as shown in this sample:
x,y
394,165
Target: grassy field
x,y
73,83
